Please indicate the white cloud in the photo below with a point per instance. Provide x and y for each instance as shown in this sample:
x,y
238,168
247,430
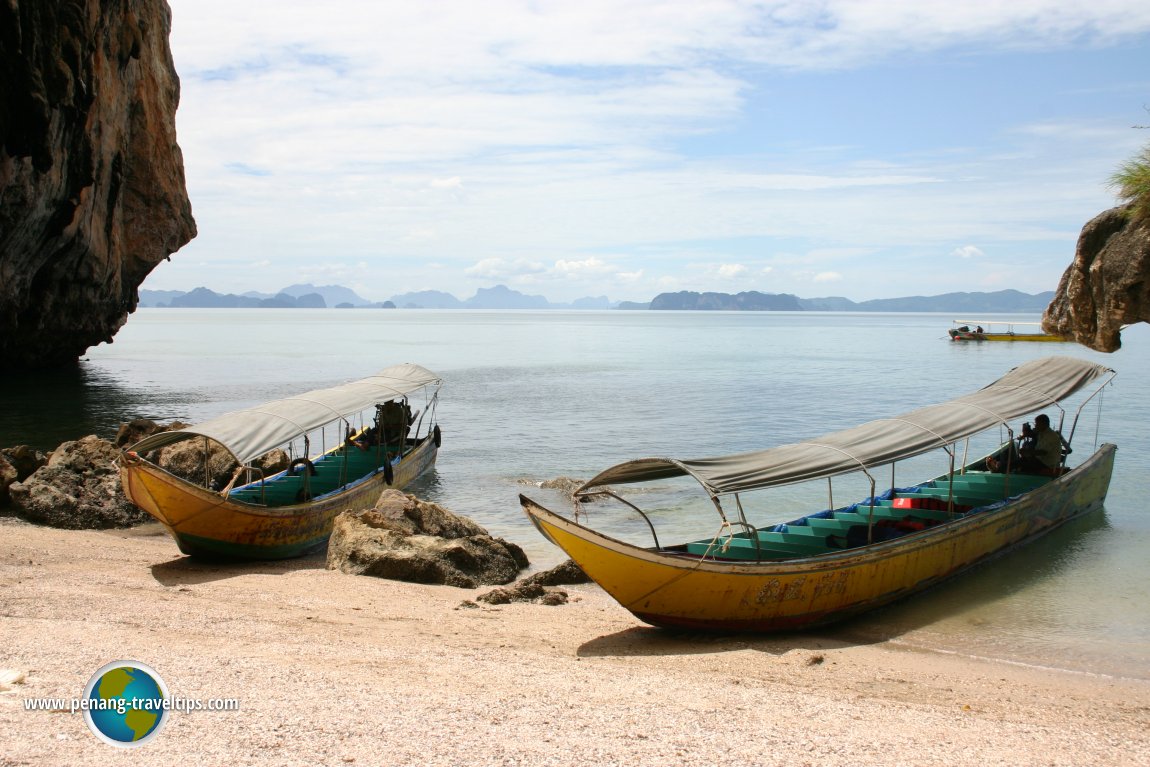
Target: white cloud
x,y
502,269
828,277
731,271
347,130
585,267
967,251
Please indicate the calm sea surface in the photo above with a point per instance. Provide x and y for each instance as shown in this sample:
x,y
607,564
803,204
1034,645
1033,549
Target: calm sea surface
x,y
532,396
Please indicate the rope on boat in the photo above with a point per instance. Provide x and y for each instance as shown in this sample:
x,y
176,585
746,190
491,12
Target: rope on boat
x,y
231,482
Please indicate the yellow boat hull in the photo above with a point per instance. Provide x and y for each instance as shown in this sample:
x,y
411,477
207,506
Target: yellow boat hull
x,y
207,524
666,589
1042,337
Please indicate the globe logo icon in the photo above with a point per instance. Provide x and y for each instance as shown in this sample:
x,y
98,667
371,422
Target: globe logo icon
x,y
126,703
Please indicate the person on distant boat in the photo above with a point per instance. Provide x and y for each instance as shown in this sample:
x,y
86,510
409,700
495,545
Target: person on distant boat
x,y
1043,448
978,329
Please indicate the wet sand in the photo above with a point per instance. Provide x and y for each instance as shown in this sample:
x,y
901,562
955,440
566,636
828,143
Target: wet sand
x,y
332,669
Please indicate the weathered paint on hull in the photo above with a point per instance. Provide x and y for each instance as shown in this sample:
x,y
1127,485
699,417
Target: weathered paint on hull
x,y
206,524
667,590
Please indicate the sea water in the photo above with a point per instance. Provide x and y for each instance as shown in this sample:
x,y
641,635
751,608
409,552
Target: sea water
x,y
535,396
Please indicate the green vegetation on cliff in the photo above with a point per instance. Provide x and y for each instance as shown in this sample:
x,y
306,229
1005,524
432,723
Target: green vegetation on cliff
x,y
1132,182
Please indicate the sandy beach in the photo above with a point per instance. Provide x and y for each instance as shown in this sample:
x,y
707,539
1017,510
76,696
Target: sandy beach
x,y
332,669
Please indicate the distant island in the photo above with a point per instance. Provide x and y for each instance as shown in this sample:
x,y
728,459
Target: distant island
x,y
307,296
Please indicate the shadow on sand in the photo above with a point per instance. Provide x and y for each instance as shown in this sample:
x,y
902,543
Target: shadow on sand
x,y
650,641
189,571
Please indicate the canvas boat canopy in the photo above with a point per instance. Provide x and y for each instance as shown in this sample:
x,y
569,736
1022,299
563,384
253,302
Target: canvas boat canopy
x,y
252,432
1025,389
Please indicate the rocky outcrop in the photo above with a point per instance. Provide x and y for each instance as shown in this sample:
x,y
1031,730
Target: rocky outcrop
x,y
78,488
24,459
406,539
92,192
16,465
537,588
8,475
1107,286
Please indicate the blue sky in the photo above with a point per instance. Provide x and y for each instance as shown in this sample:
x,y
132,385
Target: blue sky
x,y
842,147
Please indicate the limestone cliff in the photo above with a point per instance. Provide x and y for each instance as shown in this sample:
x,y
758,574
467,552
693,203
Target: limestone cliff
x,y
1107,286
92,192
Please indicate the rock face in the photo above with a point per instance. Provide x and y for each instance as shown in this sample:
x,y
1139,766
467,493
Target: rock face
x,y
406,539
79,488
92,192
1107,286
16,465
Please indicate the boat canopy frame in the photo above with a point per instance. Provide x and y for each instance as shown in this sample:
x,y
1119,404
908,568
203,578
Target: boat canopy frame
x,y
1025,389
252,432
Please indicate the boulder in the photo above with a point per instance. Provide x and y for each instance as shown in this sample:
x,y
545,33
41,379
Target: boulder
x,y
562,574
92,189
406,539
135,430
1108,284
79,488
8,475
188,460
568,486
25,459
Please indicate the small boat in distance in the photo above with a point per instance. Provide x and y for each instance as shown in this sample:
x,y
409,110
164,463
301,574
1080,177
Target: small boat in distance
x,y
290,511
843,560
999,330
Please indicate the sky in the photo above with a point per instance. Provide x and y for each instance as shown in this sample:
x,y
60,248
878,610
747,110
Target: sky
x,y
570,148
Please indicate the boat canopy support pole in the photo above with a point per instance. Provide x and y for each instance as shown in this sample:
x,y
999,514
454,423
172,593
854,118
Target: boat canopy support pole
x,y
863,467
625,502
752,531
207,474
1097,393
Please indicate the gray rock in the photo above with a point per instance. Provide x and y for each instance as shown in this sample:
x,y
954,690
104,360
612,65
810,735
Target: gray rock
x,y
524,591
187,459
79,488
562,574
534,587
24,459
8,475
135,430
404,538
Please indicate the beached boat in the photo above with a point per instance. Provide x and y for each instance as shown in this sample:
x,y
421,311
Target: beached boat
x,y
996,330
841,561
290,512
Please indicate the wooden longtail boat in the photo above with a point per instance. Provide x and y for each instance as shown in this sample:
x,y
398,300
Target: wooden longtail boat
x,y
962,330
842,561
290,513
